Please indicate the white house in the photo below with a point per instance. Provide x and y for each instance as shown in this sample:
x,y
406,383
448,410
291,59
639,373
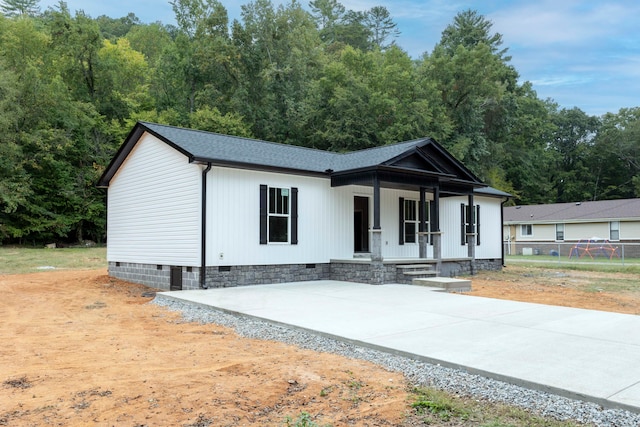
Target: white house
x,y
245,211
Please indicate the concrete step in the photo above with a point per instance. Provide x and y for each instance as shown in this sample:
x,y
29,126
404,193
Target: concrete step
x,y
445,283
414,266
420,273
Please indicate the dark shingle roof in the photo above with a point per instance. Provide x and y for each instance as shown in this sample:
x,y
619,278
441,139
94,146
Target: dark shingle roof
x,y
422,156
208,146
580,211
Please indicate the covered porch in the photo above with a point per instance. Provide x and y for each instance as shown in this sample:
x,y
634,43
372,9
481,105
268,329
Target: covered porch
x,y
368,263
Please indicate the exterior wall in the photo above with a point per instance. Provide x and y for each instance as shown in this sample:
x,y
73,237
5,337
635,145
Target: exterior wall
x,y
233,220
156,276
579,231
490,228
490,232
630,230
545,232
153,217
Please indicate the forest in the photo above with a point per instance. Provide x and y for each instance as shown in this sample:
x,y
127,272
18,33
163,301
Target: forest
x,y
316,75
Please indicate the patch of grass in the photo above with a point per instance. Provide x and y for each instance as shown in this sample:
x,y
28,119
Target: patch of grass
x,y
303,420
20,260
439,404
601,264
438,408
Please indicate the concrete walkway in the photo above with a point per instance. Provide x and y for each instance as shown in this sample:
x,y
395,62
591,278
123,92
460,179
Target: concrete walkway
x,y
582,354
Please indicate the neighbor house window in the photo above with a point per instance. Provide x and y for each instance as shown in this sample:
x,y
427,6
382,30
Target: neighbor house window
x,y
614,230
278,215
560,232
469,221
526,230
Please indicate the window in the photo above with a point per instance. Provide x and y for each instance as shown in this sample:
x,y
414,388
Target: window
x,y
278,215
614,230
410,221
560,232
526,230
469,222
278,225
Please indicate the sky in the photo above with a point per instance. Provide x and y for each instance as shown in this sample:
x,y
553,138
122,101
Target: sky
x,y
583,54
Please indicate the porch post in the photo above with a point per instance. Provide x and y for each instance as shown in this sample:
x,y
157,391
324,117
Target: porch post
x,y
471,234
377,267
423,237
436,236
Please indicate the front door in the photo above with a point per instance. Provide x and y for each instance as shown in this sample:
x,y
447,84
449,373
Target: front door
x,y
360,224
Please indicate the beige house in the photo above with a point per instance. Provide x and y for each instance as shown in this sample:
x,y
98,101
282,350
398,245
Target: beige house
x,y
563,224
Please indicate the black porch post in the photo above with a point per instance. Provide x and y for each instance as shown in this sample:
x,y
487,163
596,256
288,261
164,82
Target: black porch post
x,y
376,202
436,236
471,233
423,239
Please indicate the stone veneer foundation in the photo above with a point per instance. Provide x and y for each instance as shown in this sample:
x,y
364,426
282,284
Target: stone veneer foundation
x,y
158,276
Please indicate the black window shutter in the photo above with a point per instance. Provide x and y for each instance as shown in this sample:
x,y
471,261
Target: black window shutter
x,y
401,228
478,225
294,216
263,214
463,225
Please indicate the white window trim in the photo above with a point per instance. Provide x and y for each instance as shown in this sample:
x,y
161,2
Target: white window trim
x,y
611,229
415,221
288,215
521,230
563,231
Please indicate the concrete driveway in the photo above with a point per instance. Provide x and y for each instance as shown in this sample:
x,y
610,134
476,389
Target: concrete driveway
x,y
582,354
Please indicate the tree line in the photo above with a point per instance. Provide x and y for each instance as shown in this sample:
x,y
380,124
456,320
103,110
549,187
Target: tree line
x,y
315,75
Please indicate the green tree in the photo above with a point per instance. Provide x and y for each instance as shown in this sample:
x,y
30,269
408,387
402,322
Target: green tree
x,y
382,27
20,7
114,28
614,160
571,144
278,56
476,86
210,119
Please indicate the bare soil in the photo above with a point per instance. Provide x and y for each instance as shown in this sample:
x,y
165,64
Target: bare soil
x,y
80,348
614,292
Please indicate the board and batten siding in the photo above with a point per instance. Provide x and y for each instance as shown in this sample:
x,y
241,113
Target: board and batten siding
x,y
490,228
233,219
153,213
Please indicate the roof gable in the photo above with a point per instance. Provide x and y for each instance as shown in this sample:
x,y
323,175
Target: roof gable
x,y
418,156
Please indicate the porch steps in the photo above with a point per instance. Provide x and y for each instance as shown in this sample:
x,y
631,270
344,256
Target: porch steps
x,y
447,284
409,272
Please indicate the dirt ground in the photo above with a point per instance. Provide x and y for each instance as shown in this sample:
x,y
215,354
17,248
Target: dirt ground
x,y
580,289
80,348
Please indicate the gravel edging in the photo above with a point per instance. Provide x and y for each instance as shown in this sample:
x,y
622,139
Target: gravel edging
x,y
418,373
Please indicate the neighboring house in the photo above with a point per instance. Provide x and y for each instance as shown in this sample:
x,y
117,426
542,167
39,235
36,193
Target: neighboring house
x,y
567,224
245,211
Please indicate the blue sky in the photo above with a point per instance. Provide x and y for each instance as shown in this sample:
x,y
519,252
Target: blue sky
x,y
579,53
